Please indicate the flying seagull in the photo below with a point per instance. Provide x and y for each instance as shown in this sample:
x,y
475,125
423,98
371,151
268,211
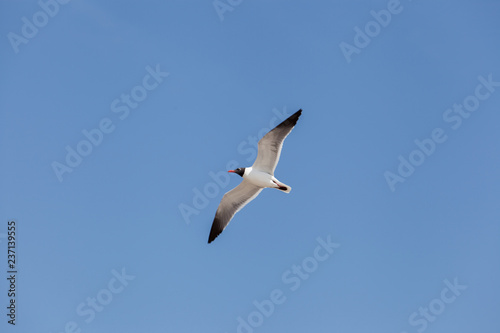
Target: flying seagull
x,y
256,177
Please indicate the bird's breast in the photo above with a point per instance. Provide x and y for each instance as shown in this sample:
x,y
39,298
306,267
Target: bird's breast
x,y
259,178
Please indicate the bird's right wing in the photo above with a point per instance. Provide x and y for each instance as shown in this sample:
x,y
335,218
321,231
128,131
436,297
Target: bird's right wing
x,y
231,203
270,145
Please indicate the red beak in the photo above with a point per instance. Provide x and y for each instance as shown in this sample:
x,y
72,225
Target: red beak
x,y
231,171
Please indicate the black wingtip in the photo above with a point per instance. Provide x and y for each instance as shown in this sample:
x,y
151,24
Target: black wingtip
x,y
292,120
294,117
214,231
212,237
297,114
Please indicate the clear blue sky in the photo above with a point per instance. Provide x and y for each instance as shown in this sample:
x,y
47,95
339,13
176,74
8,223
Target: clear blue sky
x,y
115,114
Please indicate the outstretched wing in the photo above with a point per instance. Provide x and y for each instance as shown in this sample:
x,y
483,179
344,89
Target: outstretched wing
x,y
232,202
270,145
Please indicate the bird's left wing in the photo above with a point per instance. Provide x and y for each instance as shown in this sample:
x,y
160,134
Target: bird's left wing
x,y
232,202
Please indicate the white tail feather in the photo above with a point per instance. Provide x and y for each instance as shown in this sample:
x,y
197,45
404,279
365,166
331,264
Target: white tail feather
x,y
288,188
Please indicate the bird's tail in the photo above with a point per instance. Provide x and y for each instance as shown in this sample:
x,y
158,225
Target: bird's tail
x,y
284,188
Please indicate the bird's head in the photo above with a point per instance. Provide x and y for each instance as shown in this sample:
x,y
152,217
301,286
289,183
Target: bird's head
x,y
239,171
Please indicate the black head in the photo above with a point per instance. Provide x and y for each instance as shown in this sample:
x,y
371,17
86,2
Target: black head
x,y
239,171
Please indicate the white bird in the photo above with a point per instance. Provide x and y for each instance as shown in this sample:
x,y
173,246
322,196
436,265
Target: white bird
x,y
255,178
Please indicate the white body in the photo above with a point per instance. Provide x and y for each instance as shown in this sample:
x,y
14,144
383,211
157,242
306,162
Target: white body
x,y
263,179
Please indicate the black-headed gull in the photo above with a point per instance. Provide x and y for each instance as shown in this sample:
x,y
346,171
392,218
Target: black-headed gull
x,y
255,178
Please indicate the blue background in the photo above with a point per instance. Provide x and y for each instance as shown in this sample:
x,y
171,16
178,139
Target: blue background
x,y
229,75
